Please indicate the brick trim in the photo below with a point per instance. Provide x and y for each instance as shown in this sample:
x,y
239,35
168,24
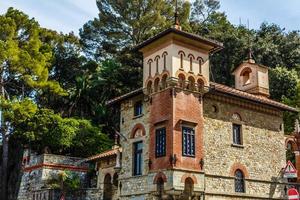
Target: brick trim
x,y
135,128
241,167
160,175
192,176
55,166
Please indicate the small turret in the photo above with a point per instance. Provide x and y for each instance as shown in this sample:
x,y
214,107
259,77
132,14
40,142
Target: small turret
x,y
252,78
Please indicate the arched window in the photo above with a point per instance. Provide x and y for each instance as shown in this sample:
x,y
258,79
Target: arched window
x,y
245,74
164,55
200,85
239,184
201,61
156,60
149,87
191,85
160,187
181,80
156,85
191,57
149,63
188,187
164,81
181,54
107,189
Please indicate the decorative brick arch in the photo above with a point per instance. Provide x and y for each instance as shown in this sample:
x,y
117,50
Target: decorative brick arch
x,y
291,140
185,176
201,78
160,175
236,114
241,167
137,127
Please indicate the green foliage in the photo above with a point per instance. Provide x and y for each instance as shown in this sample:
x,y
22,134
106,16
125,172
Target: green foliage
x,y
283,83
24,58
66,180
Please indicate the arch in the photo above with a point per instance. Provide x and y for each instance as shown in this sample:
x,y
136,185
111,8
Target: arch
x,y
201,61
239,181
164,55
107,188
245,74
239,166
291,141
157,62
181,54
156,84
188,188
160,187
185,176
138,131
191,83
200,84
149,87
191,57
149,63
236,117
181,80
159,175
164,81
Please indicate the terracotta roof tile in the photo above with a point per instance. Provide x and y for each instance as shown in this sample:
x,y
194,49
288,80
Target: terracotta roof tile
x,y
224,89
104,154
232,91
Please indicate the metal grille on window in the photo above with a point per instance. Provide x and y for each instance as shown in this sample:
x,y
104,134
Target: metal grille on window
x,y
160,149
188,141
239,181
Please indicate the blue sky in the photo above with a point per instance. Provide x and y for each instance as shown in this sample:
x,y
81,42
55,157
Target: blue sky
x,y
70,15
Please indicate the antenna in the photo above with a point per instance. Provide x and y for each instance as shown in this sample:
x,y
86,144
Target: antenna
x,y
176,22
250,58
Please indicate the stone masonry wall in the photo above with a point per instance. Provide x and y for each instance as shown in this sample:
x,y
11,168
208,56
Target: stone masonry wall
x,y
133,185
261,157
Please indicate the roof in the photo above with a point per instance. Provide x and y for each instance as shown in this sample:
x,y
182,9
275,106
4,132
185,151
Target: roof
x,y
104,154
125,96
250,63
217,45
223,89
259,99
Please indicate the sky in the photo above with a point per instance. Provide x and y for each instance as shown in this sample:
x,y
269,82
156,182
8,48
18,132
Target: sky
x,y
70,15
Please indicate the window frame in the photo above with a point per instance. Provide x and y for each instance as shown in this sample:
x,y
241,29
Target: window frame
x,y
192,140
239,180
138,108
162,136
234,135
138,161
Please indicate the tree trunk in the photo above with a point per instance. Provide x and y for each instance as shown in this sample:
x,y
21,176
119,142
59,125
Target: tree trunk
x,y
4,164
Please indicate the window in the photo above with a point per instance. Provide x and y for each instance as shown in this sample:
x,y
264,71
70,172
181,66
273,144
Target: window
x,y
160,148
188,141
137,158
239,181
237,135
138,108
160,187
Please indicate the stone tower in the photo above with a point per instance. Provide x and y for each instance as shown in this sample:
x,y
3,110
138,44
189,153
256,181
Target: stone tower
x,y
175,78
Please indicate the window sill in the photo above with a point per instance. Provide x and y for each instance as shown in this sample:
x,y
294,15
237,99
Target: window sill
x,y
138,116
238,145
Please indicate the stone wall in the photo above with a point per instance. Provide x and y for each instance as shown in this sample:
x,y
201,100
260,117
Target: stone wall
x,y
39,169
130,184
261,157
